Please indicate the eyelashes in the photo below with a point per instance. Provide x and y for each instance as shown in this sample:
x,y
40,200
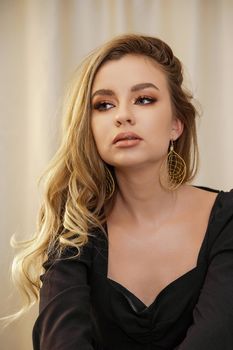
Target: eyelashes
x,y
105,105
141,99
102,106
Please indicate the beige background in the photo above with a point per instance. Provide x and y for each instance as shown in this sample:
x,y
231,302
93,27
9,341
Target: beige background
x,y
42,41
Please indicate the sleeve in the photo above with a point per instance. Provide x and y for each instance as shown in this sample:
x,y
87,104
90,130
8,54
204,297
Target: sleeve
x,y
212,326
64,321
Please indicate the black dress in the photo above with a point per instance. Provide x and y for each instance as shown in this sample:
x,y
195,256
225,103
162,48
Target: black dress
x,y
82,309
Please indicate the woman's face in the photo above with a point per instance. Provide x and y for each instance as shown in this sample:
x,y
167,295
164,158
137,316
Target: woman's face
x,y
131,95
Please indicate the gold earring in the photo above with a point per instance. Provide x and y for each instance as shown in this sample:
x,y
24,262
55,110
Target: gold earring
x,y
173,170
110,184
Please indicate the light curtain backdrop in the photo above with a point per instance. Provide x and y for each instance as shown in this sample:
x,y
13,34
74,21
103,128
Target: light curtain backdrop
x,y
42,42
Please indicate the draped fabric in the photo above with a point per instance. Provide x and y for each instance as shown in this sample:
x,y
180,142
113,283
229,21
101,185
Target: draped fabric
x,y
42,42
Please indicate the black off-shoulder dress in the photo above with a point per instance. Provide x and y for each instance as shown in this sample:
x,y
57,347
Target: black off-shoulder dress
x,y
82,309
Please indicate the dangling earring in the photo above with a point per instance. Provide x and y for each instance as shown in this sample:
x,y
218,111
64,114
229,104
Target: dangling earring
x,y
110,184
173,169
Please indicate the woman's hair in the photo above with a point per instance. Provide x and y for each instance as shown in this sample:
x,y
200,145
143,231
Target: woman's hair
x,y
79,187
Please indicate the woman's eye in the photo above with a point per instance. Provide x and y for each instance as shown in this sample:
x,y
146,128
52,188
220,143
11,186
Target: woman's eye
x,y
144,100
102,106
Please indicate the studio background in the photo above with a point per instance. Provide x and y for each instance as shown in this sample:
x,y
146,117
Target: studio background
x,y
42,42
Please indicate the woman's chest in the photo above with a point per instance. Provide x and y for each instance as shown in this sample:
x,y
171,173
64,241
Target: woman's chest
x,y
117,308
146,262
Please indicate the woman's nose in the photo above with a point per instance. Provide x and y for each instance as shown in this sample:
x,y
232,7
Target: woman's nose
x,y
124,115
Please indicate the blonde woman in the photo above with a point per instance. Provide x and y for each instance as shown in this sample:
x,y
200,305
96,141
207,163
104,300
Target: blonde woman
x,y
134,256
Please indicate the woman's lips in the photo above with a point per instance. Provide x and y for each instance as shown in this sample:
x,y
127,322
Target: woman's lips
x,y
126,136
127,143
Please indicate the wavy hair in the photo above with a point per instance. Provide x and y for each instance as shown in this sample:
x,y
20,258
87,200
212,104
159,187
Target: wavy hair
x,y
78,184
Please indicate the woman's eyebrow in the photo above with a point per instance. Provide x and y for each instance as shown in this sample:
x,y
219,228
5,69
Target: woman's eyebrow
x,y
143,86
137,87
103,92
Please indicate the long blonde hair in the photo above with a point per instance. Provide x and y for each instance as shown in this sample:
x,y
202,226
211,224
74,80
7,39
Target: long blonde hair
x,y
78,184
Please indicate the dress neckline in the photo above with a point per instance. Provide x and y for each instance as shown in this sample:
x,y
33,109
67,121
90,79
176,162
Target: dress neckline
x,y
163,291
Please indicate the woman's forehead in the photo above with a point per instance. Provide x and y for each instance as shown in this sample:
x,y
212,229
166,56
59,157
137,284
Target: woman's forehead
x,y
130,69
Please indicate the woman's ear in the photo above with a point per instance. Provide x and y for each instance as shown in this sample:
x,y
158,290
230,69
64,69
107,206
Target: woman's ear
x,y
177,128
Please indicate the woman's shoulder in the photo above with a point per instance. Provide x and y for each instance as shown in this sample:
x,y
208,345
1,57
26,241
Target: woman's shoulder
x,y
215,206
222,199
201,195
220,227
197,202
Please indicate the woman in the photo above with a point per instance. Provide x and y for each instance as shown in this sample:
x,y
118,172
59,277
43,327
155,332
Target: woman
x,y
134,256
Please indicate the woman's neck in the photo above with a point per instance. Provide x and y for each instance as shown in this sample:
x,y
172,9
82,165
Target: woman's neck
x,y
142,199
